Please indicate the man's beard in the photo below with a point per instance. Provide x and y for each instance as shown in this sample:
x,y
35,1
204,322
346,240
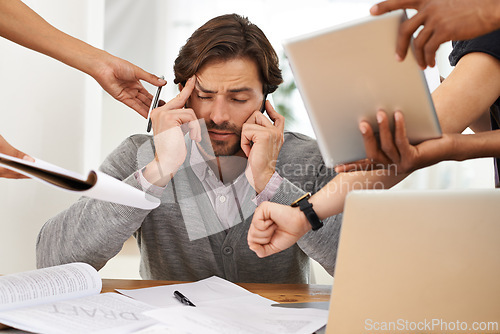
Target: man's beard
x,y
218,147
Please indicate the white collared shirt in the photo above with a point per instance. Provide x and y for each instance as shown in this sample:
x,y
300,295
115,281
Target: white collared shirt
x,y
226,199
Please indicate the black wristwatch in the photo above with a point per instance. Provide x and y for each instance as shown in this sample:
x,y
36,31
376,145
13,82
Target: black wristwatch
x,y
306,207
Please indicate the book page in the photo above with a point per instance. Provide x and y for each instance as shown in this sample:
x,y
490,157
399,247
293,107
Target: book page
x,y
103,313
46,285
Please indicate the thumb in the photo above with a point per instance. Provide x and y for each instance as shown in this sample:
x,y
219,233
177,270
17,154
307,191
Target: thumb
x,y
149,77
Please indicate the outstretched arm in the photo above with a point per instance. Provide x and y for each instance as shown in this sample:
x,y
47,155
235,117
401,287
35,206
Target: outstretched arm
x,y
275,227
398,154
118,77
460,101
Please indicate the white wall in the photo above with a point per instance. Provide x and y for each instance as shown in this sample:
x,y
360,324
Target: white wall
x,y
43,114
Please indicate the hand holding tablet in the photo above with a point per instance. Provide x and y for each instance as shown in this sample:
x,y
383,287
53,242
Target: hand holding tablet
x,y
348,72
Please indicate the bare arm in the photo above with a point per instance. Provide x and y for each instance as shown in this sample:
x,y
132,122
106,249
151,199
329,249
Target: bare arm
x,y
399,154
118,77
460,101
470,89
275,227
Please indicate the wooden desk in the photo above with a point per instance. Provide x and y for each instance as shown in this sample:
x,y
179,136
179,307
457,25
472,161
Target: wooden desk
x,y
281,293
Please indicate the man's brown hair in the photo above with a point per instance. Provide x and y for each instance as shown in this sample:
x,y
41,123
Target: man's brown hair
x,y
224,38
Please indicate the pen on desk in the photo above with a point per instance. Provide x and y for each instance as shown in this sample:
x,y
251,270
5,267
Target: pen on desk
x,y
154,105
183,299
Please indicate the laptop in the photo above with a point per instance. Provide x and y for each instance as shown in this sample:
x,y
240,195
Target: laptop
x,y
418,262
346,73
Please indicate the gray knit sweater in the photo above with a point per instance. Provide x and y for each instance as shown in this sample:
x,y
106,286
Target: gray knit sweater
x,y
94,231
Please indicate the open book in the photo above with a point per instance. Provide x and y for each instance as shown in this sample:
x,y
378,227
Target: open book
x,y
96,185
67,299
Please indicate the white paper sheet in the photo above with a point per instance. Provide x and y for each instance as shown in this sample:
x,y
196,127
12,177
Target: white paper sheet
x,y
107,313
223,307
106,188
160,329
110,189
210,290
237,317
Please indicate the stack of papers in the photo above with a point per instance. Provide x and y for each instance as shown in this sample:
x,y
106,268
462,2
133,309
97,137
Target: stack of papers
x,y
222,307
66,299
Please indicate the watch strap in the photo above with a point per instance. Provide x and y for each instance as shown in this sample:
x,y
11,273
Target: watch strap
x,y
307,209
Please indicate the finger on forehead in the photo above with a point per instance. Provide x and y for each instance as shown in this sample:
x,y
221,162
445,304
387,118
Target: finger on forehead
x,y
188,89
180,100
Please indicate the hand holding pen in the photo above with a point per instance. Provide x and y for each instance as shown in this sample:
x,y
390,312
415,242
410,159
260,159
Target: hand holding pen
x,y
169,137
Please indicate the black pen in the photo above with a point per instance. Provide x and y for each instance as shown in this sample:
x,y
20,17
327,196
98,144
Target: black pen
x,y
154,104
183,299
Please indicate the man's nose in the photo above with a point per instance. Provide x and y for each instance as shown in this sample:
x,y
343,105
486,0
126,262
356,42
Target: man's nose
x,y
220,111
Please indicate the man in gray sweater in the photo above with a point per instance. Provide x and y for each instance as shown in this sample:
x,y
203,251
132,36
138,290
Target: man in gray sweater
x,y
213,158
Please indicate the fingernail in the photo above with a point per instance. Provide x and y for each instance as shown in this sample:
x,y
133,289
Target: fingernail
x,y
379,118
191,79
398,58
374,9
162,81
362,128
28,158
397,115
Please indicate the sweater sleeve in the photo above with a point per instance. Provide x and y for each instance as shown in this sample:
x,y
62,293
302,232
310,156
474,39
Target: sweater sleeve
x,y
93,231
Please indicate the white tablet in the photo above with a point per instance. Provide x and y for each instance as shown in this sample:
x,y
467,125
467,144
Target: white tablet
x,y
346,73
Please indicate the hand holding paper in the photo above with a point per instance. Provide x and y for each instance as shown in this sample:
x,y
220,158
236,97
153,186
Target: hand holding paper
x,y
7,148
96,185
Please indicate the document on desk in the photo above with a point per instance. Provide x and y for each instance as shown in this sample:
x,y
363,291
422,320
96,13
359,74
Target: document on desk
x,y
66,299
108,313
96,185
224,307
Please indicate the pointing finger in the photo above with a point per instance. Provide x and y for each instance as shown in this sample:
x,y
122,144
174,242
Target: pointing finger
x,y
180,100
